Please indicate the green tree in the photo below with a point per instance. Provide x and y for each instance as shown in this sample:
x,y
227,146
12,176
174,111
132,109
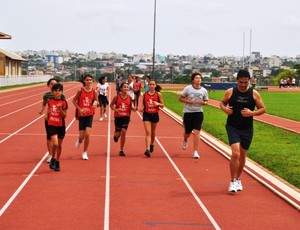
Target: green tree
x,y
284,74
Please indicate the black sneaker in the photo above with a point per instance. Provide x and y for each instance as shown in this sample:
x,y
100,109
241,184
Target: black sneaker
x,y
52,163
151,148
147,153
56,166
115,139
121,153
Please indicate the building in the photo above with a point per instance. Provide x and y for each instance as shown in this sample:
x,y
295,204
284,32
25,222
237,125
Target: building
x,y
10,63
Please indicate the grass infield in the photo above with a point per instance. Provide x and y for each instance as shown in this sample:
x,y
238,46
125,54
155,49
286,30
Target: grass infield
x,y
275,149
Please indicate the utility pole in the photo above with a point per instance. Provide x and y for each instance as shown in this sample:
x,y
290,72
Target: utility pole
x,y
154,28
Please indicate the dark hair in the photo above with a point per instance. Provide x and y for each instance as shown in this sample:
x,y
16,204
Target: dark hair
x,y
122,84
157,87
193,75
52,79
101,79
84,76
243,73
57,86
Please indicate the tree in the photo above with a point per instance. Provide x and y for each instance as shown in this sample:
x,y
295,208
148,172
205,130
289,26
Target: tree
x,y
284,74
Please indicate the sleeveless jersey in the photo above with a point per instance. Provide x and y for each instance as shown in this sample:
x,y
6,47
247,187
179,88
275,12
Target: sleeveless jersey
x,y
85,102
137,85
125,105
239,101
54,116
150,107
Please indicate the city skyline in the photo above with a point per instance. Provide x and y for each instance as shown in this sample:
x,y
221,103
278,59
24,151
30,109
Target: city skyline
x,y
191,27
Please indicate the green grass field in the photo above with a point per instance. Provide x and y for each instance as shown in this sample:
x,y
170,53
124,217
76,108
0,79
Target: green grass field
x,y
282,104
275,149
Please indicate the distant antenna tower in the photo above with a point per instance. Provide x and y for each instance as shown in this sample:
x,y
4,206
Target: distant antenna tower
x,y
243,50
250,52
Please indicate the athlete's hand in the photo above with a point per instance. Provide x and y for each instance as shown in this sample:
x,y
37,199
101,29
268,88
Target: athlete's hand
x,y
228,110
247,112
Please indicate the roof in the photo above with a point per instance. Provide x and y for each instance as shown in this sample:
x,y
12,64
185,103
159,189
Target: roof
x,y
12,55
4,36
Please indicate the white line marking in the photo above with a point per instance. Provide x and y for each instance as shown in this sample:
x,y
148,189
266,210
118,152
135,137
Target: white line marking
x,y
12,198
212,220
107,184
20,129
28,107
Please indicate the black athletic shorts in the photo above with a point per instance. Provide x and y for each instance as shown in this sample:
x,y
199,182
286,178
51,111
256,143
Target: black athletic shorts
x,y
85,122
46,128
60,131
242,136
102,100
121,123
152,117
192,121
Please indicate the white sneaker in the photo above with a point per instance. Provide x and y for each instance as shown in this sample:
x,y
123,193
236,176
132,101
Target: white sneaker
x,y
77,144
49,159
239,186
101,119
232,186
196,155
105,116
184,145
85,156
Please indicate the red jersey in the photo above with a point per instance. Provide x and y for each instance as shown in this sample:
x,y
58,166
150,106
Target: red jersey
x,y
137,85
85,102
125,105
150,107
54,116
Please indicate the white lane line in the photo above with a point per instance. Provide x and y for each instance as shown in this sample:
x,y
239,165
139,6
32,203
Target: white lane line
x,y
107,183
212,220
20,129
28,107
16,193
18,110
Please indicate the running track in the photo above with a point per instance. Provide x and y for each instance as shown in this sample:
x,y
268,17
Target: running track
x,y
170,190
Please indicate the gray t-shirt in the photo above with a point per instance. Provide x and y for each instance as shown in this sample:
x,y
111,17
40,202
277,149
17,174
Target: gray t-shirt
x,y
190,92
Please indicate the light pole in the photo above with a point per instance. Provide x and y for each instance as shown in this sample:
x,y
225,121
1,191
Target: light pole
x,y
154,27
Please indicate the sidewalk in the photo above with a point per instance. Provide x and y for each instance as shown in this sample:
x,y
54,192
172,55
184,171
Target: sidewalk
x,y
290,125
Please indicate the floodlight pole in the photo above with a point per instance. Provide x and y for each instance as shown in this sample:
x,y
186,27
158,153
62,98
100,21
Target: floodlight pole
x,y
153,55
243,50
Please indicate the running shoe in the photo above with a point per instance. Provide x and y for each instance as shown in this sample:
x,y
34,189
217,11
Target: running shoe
x,y
85,156
101,119
232,186
151,148
52,163
56,166
77,144
116,139
196,155
121,153
105,116
147,153
239,186
49,159
184,145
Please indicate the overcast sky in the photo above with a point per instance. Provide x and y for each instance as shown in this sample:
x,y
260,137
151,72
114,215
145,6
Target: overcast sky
x,y
183,27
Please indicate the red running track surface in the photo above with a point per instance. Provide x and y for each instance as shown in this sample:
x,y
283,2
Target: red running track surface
x,y
170,190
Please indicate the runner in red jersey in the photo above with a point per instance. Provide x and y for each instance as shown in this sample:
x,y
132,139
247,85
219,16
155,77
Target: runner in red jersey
x,y
46,97
85,101
55,116
151,102
122,106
